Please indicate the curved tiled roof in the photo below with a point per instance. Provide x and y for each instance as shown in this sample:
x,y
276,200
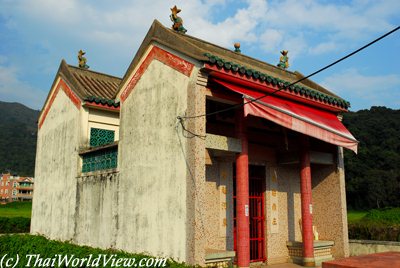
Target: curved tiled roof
x,y
280,83
93,83
88,85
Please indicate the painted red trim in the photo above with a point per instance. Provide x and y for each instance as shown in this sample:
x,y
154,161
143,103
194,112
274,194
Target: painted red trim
x,y
163,56
241,79
306,203
70,94
311,121
102,106
242,194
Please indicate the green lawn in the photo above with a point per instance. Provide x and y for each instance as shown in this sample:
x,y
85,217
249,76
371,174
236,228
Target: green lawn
x,y
376,224
385,215
355,215
16,209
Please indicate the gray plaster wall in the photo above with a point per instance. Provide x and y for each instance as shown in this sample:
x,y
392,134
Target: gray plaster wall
x,y
152,165
97,210
53,209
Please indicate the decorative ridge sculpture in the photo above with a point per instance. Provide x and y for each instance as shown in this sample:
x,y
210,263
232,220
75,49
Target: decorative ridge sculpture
x,y
82,60
284,60
178,22
237,47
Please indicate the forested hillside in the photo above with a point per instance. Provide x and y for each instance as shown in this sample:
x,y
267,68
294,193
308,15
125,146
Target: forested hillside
x,y
373,176
17,138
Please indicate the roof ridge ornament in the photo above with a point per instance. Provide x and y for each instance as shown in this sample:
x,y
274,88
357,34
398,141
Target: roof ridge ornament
x,y
82,60
178,22
284,60
237,47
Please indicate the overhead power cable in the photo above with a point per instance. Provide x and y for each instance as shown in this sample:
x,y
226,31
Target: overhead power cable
x,y
181,118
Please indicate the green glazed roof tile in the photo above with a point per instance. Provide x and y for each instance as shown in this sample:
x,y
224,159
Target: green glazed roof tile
x,y
284,85
97,100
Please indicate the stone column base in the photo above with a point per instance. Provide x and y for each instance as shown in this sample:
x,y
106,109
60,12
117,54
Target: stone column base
x,y
322,252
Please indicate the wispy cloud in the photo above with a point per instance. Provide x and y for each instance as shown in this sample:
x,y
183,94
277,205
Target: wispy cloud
x,y
323,48
271,40
13,89
348,18
322,28
365,90
240,27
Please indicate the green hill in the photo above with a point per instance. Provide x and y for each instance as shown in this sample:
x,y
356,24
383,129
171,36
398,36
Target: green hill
x,y
373,176
18,133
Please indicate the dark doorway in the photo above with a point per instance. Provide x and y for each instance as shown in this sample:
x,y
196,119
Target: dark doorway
x,y
256,212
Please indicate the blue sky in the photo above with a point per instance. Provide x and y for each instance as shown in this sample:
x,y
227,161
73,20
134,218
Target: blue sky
x,y
36,34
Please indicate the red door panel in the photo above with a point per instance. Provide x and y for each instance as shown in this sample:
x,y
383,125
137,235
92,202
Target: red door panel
x,y
257,213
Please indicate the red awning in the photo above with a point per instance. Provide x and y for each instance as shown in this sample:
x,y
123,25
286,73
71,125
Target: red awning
x,y
317,123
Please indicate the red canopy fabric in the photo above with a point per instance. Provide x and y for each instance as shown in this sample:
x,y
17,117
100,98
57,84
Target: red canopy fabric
x,y
317,123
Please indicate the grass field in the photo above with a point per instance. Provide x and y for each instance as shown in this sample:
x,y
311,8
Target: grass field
x,y
355,216
16,209
379,216
376,224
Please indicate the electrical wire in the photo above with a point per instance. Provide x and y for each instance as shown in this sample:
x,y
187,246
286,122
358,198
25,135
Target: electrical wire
x,y
181,118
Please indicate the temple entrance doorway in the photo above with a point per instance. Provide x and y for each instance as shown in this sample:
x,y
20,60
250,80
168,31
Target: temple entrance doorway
x,y
256,212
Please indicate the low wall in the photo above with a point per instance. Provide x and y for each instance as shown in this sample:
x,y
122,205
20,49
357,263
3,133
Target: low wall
x,y
361,247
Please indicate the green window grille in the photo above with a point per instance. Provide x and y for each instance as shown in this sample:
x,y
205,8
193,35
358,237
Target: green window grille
x,y
100,160
99,137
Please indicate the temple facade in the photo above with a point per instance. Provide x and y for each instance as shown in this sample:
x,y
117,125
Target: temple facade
x,y
198,153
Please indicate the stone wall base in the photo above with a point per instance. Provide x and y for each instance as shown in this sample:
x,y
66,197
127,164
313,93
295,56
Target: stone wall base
x,y
322,252
219,258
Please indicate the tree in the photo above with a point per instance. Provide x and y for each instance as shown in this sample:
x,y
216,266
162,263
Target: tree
x,y
373,176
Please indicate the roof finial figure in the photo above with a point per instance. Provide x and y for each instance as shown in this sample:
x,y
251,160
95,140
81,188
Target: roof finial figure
x,y
178,22
284,60
237,47
82,60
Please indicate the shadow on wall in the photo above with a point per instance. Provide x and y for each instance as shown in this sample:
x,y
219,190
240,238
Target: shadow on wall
x,y
293,189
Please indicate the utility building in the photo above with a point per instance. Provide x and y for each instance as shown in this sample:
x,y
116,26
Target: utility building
x,y
184,157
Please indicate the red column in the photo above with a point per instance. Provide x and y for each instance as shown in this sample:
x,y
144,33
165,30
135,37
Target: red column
x,y
242,195
306,204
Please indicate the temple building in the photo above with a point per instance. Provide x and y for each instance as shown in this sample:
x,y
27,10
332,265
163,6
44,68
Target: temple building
x,y
199,153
